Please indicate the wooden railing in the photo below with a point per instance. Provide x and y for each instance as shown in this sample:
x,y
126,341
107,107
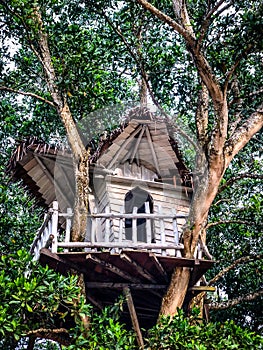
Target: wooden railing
x,y
107,230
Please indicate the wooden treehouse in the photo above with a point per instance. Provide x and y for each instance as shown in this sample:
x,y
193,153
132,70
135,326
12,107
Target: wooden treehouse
x,y
140,194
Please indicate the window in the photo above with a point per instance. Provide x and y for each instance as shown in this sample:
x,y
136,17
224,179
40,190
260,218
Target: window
x,y
137,197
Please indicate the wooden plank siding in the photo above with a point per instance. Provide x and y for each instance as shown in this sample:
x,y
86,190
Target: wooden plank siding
x,y
164,196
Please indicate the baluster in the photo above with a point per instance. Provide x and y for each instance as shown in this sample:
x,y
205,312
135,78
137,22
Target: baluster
x,y
45,235
68,226
36,251
121,225
162,229
93,227
199,256
148,224
107,226
134,226
54,228
176,233
196,252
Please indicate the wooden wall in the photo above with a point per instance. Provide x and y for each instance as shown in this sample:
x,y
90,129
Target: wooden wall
x,y
167,200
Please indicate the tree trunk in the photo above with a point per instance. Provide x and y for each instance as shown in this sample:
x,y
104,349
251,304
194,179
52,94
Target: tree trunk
x,y
80,155
203,198
176,292
81,205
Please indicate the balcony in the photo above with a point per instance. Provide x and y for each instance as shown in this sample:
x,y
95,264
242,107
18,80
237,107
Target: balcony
x,y
108,231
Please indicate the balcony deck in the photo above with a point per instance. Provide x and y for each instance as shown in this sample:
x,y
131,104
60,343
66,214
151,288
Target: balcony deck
x,y
109,266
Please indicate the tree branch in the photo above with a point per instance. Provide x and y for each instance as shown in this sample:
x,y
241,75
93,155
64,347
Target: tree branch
x,y
145,79
31,94
222,222
15,14
236,301
237,178
206,74
244,259
238,98
60,335
182,14
243,134
168,20
207,21
235,65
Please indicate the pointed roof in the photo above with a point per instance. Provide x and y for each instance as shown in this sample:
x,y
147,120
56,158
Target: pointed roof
x,y
47,171
147,143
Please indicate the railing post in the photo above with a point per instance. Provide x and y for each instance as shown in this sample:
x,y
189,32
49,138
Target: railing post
x,y
107,226
176,233
121,222
199,251
134,226
93,227
162,229
54,227
148,224
68,226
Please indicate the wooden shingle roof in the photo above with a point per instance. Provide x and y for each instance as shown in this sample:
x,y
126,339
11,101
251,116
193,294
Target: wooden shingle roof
x,y
47,171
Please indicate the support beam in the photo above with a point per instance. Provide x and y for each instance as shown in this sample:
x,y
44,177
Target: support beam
x,y
137,286
138,268
137,144
125,143
159,266
59,260
202,289
149,139
134,318
93,300
115,270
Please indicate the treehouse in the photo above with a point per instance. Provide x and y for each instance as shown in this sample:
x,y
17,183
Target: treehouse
x,y
140,190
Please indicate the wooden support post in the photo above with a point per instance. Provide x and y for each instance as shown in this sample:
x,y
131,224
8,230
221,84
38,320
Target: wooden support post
x,y
31,343
133,315
54,227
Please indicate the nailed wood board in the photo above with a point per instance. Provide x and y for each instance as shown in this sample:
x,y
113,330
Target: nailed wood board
x,y
31,164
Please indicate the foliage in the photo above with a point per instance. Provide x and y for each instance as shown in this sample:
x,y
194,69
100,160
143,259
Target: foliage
x,y
190,333
34,297
105,331
238,209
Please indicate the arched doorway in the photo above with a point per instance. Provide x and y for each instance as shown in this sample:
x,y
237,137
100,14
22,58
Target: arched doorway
x,y
137,197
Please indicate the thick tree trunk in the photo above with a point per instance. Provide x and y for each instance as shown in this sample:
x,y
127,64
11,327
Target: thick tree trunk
x,y
80,155
176,292
203,198
81,206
